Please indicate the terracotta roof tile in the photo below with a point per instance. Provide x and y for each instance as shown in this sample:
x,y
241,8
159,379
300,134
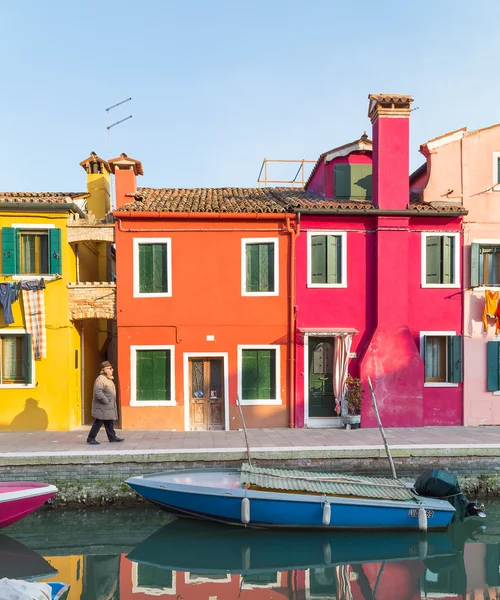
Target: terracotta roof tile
x,y
250,200
48,197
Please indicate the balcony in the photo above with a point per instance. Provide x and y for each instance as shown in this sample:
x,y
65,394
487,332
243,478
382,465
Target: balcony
x,y
92,300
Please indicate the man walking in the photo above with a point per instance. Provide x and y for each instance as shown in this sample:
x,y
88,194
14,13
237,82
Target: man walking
x,y
104,405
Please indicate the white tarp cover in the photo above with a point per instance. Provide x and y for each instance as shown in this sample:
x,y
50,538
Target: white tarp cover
x,y
16,589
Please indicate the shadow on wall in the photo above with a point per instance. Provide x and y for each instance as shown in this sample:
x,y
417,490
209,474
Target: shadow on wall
x,y
32,418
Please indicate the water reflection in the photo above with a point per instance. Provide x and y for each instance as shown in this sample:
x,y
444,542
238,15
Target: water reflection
x,y
125,555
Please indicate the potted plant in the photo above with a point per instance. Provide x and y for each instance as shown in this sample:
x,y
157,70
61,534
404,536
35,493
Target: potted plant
x,y
351,403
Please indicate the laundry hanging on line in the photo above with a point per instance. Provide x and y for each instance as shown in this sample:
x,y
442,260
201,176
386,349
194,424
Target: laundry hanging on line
x,y
491,309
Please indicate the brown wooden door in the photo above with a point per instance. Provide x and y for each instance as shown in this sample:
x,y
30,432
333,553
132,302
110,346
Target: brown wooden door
x,y
206,392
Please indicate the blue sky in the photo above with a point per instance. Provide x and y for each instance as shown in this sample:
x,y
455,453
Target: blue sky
x,y
217,85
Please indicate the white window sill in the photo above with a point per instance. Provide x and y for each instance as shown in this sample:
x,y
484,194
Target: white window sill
x,y
261,402
441,385
497,393
153,403
440,286
496,188
35,277
327,285
484,288
17,386
145,295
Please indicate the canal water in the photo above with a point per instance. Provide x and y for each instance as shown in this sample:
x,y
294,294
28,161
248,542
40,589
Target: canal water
x,y
143,553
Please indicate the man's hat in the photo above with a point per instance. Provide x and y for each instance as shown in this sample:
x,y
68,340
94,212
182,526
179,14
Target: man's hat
x,y
105,364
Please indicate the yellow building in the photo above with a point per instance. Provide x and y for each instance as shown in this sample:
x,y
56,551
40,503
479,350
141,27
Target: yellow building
x,y
58,302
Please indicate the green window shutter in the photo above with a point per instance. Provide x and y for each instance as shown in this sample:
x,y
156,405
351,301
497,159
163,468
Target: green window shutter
x,y
493,367
498,170
153,275
448,257
27,358
258,377
432,259
10,254
342,182
55,252
360,181
318,259
455,358
259,268
334,250
474,265
153,375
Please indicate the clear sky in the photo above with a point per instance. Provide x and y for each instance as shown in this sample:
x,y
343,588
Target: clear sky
x,y
218,85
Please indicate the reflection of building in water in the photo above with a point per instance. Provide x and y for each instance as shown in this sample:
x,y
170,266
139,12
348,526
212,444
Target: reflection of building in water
x,y
70,571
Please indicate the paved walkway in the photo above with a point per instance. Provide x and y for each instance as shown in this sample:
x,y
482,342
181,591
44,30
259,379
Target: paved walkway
x,y
438,440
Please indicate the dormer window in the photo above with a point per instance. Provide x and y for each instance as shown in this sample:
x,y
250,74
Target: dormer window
x,y
353,182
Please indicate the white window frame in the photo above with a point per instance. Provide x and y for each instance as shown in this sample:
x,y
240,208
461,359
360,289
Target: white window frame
x,y
485,242
23,386
446,334
266,401
343,265
248,241
198,580
136,243
133,376
456,259
41,227
496,183
141,589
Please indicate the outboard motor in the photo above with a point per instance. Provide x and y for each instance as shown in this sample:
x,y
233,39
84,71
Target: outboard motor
x,y
436,483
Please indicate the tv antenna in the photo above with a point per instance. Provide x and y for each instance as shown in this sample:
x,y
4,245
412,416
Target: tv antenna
x,y
109,127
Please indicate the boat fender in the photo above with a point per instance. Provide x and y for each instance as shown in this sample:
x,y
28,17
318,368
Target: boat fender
x,y
245,511
327,553
327,513
245,558
422,519
422,548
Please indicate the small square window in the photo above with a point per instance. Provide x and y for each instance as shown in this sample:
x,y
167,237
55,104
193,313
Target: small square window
x,y
485,264
152,267
31,251
440,260
259,375
152,376
326,259
442,356
16,359
260,267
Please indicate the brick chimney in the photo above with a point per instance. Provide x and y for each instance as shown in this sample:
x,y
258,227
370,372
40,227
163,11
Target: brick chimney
x,y
125,170
98,179
389,114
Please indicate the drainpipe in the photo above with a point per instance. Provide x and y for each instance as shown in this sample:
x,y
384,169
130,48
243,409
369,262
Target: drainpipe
x,y
293,230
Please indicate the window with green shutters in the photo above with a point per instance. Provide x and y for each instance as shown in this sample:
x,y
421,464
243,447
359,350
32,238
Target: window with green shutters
x,y
326,259
152,376
16,359
34,251
152,267
485,264
259,375
442,356
259,268
440,260
353,182
154,581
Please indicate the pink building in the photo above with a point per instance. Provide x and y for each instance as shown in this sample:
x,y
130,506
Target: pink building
x,y
378,284
463,168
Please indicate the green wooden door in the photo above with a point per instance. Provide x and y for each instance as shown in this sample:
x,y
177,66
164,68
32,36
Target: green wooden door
x,y
321,398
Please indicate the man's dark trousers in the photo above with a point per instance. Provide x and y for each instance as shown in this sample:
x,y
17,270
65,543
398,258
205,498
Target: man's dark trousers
x,y
108,426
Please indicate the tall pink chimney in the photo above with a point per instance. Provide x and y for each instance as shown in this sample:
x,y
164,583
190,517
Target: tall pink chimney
x,y
389,114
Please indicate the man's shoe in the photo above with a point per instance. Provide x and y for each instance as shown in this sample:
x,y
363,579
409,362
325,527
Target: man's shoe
x,y
93,442
117,439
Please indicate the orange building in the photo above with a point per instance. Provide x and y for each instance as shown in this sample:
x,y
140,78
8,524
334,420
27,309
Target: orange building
x,y
205,305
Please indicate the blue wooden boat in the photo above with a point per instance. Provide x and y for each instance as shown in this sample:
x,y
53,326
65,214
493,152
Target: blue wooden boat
x,y
281,498
59,590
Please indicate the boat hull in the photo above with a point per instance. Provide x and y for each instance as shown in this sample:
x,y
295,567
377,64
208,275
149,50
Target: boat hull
x,y
20,499
216,495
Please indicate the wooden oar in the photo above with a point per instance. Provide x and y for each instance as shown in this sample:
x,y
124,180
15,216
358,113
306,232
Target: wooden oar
x,y
388,452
